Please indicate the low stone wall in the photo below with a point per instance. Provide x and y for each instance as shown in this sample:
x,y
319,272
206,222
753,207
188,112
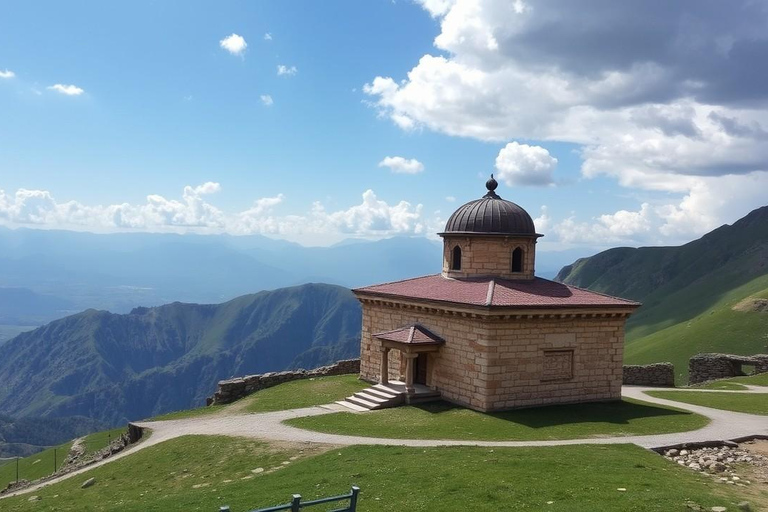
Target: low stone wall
x,y
233,389
657,374
705,367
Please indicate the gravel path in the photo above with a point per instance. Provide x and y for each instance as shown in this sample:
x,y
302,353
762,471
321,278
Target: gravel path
x,y
268,426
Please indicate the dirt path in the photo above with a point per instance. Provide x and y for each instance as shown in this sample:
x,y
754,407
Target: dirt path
x,y
724,425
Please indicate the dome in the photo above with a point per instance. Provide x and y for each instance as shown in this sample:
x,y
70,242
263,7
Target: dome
x,y
490,215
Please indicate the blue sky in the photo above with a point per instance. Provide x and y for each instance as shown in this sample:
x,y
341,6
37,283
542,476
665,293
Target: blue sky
x,y
602,148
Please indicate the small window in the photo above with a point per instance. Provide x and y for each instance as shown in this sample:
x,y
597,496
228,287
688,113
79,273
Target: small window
x,y
517,260
456,261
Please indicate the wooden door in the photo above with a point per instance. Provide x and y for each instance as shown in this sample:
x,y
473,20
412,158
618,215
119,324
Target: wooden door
x,y
420,370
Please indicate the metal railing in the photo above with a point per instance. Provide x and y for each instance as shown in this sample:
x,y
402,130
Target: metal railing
x,y
296,504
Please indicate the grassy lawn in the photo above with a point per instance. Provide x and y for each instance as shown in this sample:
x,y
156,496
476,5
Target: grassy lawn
x,y
751,403
735,383
35,466
441,420
304,393
189,413
99,440
720,328
291,395
202,473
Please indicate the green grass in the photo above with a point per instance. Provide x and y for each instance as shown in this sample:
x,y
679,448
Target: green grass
x,y
719,329
202,473
35,466
735,383
97,441
304,393
290,395
441,420
189,413
720,384
751,403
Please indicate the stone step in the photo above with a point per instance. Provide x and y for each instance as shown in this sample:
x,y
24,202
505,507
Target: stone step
x,y
365,395
350,405
386,389
382,393
362,402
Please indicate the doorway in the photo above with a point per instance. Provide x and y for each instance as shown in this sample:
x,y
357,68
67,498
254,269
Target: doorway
x,y
420,369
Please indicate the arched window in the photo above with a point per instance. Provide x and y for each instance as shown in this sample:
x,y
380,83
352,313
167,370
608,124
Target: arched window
x,y
456,260
517,260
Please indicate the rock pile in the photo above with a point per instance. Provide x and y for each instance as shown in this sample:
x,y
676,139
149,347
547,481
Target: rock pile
x,y
718,461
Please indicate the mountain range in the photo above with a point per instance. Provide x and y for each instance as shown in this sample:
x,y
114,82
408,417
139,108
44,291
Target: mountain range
x,y
119,367
704,296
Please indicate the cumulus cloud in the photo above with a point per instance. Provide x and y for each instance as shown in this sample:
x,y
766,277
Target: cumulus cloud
x,y
400,165
69,90
7,73
283,70
266,99
267,36
661,97
193,212
234,44
521,164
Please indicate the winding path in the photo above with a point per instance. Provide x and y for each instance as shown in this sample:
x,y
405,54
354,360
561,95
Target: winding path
x,y
724,425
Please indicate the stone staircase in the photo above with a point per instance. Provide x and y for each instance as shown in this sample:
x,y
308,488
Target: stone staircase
x,y
379,396
382,396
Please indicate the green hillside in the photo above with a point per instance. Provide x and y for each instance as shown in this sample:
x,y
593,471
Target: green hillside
x,y
687,292
153,360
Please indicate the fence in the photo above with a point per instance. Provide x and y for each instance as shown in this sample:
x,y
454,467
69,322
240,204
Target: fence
x,y
295,505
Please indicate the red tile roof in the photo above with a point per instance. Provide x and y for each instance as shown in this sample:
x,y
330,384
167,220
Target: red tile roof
x,y
413,334
493,292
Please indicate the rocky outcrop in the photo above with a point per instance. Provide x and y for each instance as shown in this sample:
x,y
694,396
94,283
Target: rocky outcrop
x,y
233,389
706,367
657,374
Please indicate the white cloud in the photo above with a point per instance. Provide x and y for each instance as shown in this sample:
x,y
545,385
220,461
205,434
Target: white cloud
x,y
267,36
7,73
266,99
234,44
400,165
373,217
682,114
283,70
69,90
521,164
450,199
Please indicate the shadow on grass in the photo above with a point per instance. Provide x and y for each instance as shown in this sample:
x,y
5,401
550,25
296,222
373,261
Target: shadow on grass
x,y
619,412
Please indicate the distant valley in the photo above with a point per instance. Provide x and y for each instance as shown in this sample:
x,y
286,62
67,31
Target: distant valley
x,y
46,275
119,367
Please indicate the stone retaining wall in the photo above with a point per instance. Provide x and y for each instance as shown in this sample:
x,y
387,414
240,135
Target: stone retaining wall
x,y
657,374
232,389
705,367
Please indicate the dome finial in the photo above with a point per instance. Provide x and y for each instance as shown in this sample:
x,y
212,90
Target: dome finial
x,y
491,185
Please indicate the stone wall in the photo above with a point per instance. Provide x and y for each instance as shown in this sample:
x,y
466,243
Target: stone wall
x,y
496,363
705,367
483,256
657,374
233,389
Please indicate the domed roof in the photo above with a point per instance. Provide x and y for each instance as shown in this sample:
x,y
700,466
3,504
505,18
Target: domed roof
x,y
490,215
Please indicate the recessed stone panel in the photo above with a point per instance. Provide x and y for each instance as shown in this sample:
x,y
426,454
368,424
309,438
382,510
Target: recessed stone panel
x,y
558,365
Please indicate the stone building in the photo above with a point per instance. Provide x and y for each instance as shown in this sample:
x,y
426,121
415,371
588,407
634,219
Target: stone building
x,y
487,333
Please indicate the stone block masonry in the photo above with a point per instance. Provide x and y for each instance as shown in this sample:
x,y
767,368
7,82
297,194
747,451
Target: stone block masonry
x,y
705,367
657,374
233,389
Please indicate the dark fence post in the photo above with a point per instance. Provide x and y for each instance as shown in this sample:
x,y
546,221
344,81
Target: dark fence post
x,y
353,499
296,503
